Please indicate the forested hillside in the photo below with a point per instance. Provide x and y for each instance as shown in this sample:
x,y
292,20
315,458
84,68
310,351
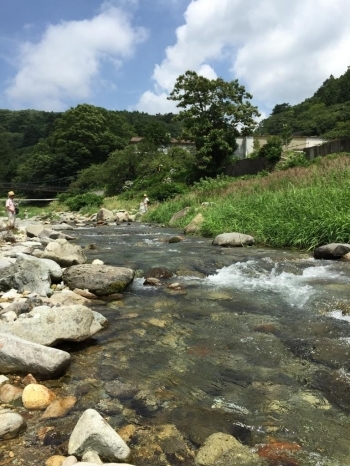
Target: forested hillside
x,y
326,113
48,147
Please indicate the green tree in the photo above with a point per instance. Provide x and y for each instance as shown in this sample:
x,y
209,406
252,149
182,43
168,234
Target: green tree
x,y
82,136
214,112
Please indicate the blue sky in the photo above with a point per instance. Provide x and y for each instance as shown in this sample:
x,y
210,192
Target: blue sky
x,y
126,54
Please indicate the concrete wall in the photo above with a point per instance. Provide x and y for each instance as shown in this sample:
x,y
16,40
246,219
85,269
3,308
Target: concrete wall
x,y
339,145
245,144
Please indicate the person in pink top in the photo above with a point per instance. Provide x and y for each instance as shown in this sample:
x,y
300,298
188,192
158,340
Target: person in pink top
x,y
11,209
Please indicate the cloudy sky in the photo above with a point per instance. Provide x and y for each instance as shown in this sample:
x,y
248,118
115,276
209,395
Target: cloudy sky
x,y
127,54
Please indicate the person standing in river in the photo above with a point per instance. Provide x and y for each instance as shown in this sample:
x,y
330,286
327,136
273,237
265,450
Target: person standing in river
x,y
11,209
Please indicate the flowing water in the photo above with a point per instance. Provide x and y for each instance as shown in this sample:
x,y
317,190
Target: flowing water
x,y
254,343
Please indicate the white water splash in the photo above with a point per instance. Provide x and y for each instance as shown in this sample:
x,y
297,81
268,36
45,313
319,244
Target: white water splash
x,y
296,289
228,406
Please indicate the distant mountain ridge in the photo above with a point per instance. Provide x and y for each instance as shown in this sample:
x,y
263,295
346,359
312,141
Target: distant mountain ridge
x,y
326,113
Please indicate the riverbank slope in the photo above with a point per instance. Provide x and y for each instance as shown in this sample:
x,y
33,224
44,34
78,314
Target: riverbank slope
x,y
302,207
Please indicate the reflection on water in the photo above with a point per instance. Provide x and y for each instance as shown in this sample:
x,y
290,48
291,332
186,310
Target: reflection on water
x,y
251,345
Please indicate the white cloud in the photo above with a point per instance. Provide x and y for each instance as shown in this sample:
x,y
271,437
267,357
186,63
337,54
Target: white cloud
x,y
280,50
67,61
152,103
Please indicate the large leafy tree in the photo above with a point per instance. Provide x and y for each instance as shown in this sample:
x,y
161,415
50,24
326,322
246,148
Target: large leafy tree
x,y
214,112
83,136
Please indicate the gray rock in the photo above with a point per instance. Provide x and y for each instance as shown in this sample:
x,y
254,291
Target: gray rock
x,y
182,213
9,316
64,253
18,355
92,432
102,280
233,240
49,326
158,272
194,226
11,424
27,274
54,269
91,456
4,263
54,234
34,230
105,215
62,226
331,251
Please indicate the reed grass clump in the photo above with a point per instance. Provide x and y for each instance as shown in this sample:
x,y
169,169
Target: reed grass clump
x,y
302,207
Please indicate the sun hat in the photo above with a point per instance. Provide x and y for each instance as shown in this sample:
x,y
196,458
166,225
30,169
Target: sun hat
x,y
145,195
11,193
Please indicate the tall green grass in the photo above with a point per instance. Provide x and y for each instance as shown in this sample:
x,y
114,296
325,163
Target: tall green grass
x,y
299,208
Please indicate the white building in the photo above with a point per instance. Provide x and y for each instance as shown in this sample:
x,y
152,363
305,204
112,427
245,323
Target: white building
x,y
246,144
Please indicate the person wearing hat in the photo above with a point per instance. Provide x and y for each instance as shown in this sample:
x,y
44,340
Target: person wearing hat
x,y
145,202
11,208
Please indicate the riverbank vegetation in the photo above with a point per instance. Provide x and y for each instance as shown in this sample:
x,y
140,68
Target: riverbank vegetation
x,y
301,207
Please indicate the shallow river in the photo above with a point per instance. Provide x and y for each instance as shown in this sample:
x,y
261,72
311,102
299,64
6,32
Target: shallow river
x,y
255,344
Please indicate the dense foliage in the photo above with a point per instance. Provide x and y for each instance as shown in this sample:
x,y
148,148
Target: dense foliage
x,y
214,112
52,148
326,113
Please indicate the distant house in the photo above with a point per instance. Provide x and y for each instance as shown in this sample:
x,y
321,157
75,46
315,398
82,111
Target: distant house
x,y
182,143
245,144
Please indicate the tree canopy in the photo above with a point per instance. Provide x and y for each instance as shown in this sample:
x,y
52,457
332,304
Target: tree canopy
x,y
326,113
213,112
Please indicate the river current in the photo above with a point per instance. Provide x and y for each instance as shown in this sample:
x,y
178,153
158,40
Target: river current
x,y
254,343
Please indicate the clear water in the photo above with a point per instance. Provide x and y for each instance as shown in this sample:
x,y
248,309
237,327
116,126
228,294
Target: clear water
x,y
255,344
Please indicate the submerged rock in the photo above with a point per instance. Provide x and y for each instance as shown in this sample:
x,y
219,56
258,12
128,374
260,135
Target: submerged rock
x,y
224,449
159,272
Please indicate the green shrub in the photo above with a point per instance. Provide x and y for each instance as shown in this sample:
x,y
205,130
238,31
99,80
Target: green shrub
x,y
292,159
82,200
164,191
272,150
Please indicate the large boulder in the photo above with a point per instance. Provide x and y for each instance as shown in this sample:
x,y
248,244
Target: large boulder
x,y
233,240
105,215
331,251
64,253
92,432
19,355
30,274
34,229
194,226
182,213
51,325
122,216
102,280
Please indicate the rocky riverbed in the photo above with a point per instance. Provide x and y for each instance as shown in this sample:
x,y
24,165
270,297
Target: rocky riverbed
x,y
146,361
